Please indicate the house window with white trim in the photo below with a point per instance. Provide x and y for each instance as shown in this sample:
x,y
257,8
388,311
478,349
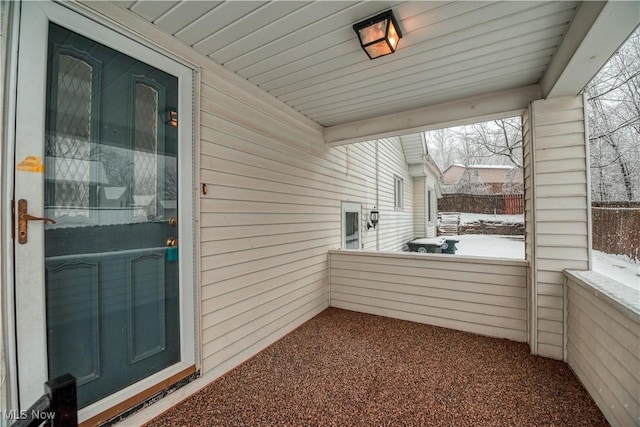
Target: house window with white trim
x,y
398,192
351,236
430,205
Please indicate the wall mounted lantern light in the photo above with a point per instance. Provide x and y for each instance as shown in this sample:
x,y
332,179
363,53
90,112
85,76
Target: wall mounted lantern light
x,y
374,215
379,35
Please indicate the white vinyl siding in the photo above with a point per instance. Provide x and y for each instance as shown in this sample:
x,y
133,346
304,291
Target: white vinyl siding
x,y
395,228
603,349
270,213
396,225
556,209
470,294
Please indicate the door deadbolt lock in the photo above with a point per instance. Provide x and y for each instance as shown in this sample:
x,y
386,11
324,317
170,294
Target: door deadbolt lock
x,y
24,218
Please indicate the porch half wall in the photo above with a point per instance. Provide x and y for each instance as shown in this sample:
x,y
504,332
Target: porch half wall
x,y
603,347
479,295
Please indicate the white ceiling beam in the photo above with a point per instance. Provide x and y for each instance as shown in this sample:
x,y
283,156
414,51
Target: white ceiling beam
x,y
475,109
597,31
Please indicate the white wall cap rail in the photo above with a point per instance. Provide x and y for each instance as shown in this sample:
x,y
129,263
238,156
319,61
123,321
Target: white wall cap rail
x,y
621,297
434,257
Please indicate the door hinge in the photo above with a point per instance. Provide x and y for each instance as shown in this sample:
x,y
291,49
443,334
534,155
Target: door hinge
x,y
13,220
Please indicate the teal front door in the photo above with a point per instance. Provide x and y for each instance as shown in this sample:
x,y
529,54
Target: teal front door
x,y
103,288
111,186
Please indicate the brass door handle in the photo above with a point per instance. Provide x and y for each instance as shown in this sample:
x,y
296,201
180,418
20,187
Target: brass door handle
x,y
27,217
24,218
172,242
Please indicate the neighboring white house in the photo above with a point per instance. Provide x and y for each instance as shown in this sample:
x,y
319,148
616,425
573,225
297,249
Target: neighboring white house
x,y
246,114
426,184
401,181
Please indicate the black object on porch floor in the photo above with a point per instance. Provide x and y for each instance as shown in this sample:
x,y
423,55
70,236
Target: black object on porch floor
x,y
346,368
58,407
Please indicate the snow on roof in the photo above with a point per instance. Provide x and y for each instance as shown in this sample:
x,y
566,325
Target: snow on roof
x,y
490,167
484,166
113,193
485,173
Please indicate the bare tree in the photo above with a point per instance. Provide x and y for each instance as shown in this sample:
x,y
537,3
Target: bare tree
x,y
497,142
440,143
468,151
614,123
501,140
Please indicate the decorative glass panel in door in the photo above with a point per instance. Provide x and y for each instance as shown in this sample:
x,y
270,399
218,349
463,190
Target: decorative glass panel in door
x,y
111,162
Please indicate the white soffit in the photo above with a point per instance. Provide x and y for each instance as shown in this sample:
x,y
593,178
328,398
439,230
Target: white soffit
x,y
414,148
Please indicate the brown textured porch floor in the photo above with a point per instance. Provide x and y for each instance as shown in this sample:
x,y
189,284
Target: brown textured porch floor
x,y
345,368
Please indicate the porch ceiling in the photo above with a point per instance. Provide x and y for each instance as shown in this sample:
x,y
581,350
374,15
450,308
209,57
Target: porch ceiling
x,y
307,55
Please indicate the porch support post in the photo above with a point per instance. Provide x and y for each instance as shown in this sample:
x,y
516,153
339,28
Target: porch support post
x,y
557,210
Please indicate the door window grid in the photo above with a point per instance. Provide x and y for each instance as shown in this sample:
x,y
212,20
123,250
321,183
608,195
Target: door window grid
x,y
145,148
68,151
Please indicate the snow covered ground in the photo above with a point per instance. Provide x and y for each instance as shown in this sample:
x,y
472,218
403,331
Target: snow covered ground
x,y
617,267
466,218
490,245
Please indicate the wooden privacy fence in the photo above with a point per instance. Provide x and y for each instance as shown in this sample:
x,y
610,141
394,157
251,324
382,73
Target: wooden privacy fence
x,y
502,204
616,230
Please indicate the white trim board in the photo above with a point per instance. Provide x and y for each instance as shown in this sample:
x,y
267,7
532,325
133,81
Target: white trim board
x,y
492,106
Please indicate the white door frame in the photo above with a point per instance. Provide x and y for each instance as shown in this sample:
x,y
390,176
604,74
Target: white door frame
x,y
30,126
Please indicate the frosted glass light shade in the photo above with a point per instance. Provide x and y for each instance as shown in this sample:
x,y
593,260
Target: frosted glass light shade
x,y
379,35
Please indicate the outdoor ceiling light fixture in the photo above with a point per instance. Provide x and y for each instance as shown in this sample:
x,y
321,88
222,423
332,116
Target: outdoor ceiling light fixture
x,y
379,35
171,117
